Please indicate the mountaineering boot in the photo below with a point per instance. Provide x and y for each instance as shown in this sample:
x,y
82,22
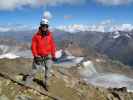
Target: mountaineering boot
x,y
29,81
45,86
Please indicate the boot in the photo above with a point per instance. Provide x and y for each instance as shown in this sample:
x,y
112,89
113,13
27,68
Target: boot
x,y
29,81
45,86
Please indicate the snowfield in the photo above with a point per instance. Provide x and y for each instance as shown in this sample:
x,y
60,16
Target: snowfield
x,y
9,56
107,80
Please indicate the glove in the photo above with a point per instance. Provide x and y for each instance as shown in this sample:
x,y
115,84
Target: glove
x,y
37,60
54,59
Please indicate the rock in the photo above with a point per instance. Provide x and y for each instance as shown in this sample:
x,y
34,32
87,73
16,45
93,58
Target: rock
x,y
11,88
0,90
0,87
102,90
44,97
13,93
118,92
19,78
3,97
117,95
23,97
123,89
7,82
35,92
109,97
0,83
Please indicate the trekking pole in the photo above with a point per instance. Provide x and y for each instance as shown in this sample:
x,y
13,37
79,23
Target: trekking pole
x,y
45,72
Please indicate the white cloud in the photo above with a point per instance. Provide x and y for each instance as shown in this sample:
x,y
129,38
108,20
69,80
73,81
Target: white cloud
x,y
13,4
2,29
122,27
13,27
104,26
114,2
47,15
80,27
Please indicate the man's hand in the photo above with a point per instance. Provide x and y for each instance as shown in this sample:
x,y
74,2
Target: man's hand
x,y
54,59
37,60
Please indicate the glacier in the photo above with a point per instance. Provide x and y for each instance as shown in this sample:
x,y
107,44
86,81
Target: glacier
x,y
106,80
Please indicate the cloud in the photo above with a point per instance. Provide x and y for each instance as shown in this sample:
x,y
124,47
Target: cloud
x,y
80,27
2,29
15,27
56,2
13,4
114,2
104,26
47,15
122,27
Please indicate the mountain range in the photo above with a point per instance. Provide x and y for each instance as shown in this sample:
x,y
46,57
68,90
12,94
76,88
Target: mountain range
x,y
116,44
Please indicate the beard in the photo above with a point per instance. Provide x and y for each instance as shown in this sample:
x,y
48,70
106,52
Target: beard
x,y
44,33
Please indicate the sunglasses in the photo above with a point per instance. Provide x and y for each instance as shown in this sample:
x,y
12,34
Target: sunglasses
x,y
44,26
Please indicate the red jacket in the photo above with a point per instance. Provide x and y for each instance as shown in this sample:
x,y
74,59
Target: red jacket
x,y
43,45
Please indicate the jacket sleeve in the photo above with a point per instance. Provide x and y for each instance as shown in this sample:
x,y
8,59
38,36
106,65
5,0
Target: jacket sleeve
x,y
53,47
33,46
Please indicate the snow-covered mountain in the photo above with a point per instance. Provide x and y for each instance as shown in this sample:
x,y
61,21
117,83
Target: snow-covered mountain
x,y
103,27
111,39
117,45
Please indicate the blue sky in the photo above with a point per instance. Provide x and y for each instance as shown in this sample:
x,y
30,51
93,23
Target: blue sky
x,y
88,12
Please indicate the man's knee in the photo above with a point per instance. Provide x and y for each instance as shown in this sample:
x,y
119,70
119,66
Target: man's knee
x,y
49,64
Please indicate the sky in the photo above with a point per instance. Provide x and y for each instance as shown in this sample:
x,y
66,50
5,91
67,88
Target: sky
x,y
65,12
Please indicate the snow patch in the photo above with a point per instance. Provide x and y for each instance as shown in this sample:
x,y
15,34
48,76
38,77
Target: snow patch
x,y
9,56
110,80
116,35
66,60
78,59
88,69
4,48
127,35
100,60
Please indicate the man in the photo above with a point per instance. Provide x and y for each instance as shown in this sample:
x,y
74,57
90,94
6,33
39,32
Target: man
x,y
43,50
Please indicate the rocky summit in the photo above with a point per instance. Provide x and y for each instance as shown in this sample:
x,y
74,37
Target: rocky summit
x,y
64,84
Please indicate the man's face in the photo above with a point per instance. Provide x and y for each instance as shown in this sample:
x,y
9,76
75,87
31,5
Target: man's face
x,y
44,28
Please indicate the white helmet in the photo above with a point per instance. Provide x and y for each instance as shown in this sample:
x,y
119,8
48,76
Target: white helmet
x,y
44,21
